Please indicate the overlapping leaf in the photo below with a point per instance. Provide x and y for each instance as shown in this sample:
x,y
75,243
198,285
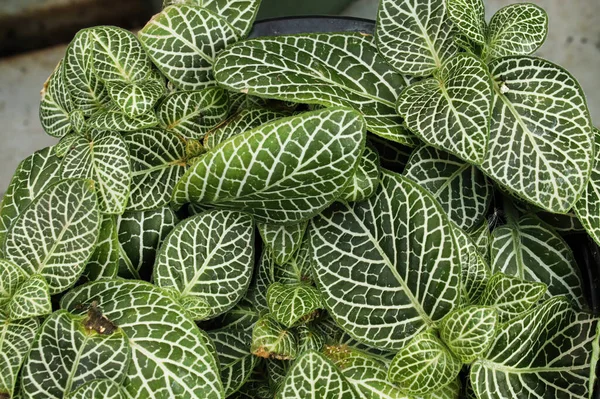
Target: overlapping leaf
x,y
530,250
587,208
16,338
104,262
541,139
262,278
11,277
210,256
461,189
415,36
475,270
271,340
309,338
402,242
184,40
297,269
283,172
136,98
452,110
169,354
56,104
365,180
290,304
104,158
424,365
190,114
283,240
30,299
56,234
333,69
546,352
66,354
468,16
115,120
392,156
158,160
98,389
469,331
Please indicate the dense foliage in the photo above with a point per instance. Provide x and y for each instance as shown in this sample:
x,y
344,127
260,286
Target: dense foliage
x,y
328,215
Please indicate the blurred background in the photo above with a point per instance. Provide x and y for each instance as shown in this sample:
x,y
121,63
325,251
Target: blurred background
x,y
34,33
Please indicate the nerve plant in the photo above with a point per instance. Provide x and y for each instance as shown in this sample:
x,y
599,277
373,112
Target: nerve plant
x,y
423,259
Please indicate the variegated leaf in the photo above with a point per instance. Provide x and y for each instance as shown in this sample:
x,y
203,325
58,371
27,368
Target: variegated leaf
x,y
547,352
451,111
170,356
469,17
33,175
365,180
235,359
56,104
67,353
291,304
11,278
64,144
56,234
277,370
103,158
482,237
518,29
424,365
541,139
402,242
115,120
271,340
283,240
587,208
291,168
190,114
136,98
461,189
309,338
392,156
415,36
262,278
31,299
98,389
567,223
242,316
330,69
183,42
87,91
210,256
450,391
530,250
140,236
16,338
158,160
297,270
240,14
315,376
469,331
475,270
511,296
104,262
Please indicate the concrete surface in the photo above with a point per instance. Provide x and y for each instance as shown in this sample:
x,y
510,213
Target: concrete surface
x,y
573,42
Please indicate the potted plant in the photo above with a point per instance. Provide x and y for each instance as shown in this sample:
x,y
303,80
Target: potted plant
x,y
359,214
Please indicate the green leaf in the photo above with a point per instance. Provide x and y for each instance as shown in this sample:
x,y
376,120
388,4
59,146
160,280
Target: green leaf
x,y
469,17
283,240
424,365
468,332
482,237
98,389
114,120
210,256
237,363
291,304
242,316
277,370
158,160
530,250
587,208
309,338
415,36
241,121
461,189
104,262
541,139
315,376
297,270
546,352
68,353
271,340
475,270
330,69
140,236
305,163
402,243
183,42
365,180
16,338
169,355
367,375
450,391
31,299
33,175
240,14
518,29
87,91
11,277
564,224
451,111
136,98
103,158
262,278
56,104
392,156
64,145
190,114
511,296
56,234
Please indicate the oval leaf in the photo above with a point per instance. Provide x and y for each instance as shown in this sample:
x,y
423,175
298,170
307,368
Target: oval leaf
x,y
290,304
365,180
11,278
31,299
104,262
271,340
475,270
16,338
587,208
283,240
469,17
56,104
98,389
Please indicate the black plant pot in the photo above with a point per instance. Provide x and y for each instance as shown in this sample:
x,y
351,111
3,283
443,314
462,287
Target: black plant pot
x,y
586,251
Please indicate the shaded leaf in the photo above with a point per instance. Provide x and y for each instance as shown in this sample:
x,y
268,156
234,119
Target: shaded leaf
x,y
31,299
365,180
468,332
291,304
271,340
98,389
104,262
114,120
469,17
283,240
56,104
16,338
